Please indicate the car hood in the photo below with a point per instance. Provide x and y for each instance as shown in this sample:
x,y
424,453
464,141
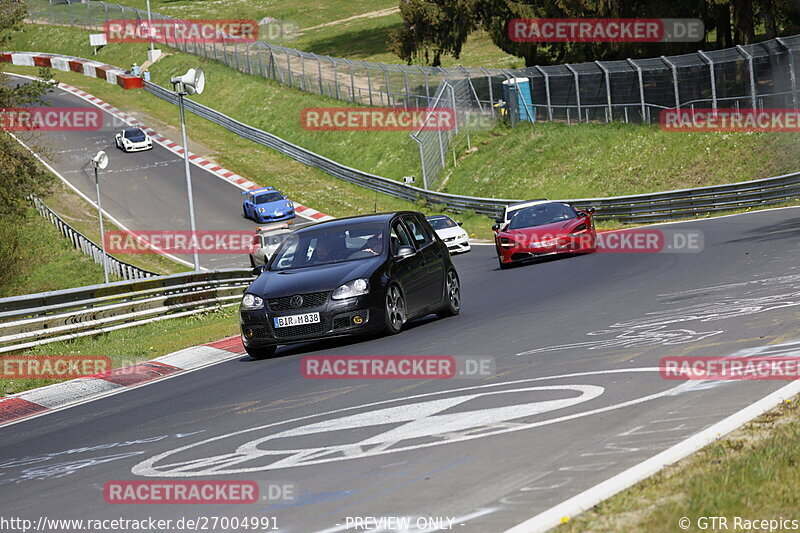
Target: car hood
x,y
546,231
450,232
276,283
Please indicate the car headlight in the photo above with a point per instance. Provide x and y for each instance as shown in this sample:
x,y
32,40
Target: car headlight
x,y
262,210
357,287
289,204
251,302
579,229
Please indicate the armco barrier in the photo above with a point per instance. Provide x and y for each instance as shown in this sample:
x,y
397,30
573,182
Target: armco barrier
x,y
117,268
35,319
641,208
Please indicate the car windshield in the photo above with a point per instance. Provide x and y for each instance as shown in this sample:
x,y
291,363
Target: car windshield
x,y
268,198
442,223
539,215
329,245
136,135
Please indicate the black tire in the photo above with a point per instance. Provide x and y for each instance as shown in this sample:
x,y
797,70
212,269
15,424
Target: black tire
x,y
244,211
260,352
394,310
504,266
452,294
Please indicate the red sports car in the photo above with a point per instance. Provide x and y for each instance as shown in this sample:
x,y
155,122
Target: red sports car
x,y
545,229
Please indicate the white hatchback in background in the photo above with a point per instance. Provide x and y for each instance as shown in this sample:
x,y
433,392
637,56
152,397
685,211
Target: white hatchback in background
x,y
133,140
513,209
266,242
451,232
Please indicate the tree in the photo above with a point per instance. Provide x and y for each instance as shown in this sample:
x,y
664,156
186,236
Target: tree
x,y
20,172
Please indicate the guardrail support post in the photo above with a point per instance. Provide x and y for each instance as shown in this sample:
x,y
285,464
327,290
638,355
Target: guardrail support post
x,y
608,89
749,59
713,78
577,90
547,92
674,68
792,76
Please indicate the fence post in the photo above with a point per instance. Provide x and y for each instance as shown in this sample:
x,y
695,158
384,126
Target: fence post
x,y
352,80
247,55
51,11
713,78
547,92
671,65
792,77
303,71
489,83
369,80
260,61
289,67
388,90
577,89
336,78
319,71
641,87
752,75
408,93
608,89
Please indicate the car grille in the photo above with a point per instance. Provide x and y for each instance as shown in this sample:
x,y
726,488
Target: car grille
x,y
341,322
298,331
312,299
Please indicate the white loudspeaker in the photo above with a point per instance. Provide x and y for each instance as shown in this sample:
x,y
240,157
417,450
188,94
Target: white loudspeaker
x,y
100,160
194,81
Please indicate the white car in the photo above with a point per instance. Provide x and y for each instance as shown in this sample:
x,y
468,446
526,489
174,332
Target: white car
x,y
513,209
450,232
266,242
133,140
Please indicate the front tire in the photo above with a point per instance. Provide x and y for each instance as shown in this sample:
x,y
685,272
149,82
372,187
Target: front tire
x,y
260,352
395,310
453,295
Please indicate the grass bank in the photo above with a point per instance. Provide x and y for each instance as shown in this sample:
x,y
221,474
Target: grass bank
x,y
751,474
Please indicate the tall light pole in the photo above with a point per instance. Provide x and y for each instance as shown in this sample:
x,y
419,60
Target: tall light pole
x,y
194,81
150,26
98,162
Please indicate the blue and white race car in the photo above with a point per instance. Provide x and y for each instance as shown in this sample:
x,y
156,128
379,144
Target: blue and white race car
x,y
267,205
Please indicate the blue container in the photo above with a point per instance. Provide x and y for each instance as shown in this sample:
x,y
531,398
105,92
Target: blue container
x,y
521,90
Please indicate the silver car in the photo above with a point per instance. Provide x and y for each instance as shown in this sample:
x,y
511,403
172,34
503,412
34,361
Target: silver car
x,y
267,240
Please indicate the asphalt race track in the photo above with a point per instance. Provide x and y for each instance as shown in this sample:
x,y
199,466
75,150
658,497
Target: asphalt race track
x,y
147,190
574,398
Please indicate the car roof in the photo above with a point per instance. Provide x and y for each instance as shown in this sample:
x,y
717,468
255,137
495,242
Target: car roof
x,y
433,217
527,203
374,218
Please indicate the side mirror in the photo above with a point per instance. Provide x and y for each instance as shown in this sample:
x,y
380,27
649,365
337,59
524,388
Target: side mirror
x,y
590,210
257,271
496,227
405,251
460,223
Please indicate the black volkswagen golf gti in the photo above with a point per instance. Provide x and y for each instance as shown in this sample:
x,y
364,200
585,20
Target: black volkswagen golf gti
x,y
349,276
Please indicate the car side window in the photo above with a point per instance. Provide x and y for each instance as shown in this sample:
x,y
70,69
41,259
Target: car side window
x,y
417,233
399,237
426,228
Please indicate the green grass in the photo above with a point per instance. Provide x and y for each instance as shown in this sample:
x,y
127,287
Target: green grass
x,y
751,473
140,343
46,260
557,161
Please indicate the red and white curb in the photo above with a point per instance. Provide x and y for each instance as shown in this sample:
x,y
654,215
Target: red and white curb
x,y
16,407
29,59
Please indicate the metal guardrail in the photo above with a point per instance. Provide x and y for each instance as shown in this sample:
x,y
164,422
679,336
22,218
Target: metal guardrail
x,y
36,319
655,207
117,268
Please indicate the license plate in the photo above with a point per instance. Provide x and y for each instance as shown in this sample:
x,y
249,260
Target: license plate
x,y
296,320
